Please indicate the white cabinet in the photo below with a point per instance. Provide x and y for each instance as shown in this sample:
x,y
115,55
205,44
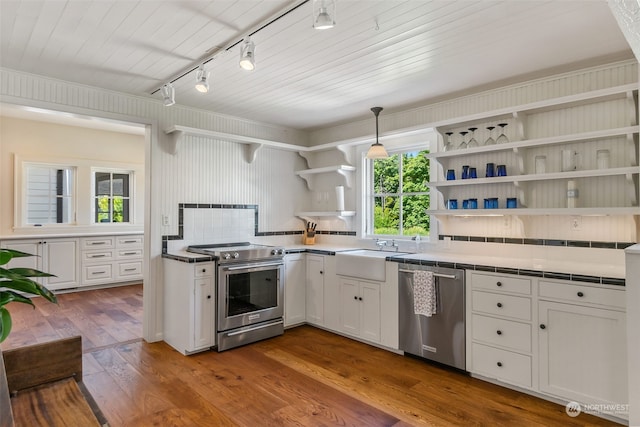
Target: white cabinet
x,y
111,259
57,256
582,346
499,327
315,289
360,308
295,283
189,305
584,125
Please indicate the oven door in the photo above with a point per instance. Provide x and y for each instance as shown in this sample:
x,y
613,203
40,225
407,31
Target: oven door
x,y
249,293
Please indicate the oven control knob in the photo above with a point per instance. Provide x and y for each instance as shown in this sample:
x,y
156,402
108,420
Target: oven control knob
x,y
274,252
226,255
280,251
236,255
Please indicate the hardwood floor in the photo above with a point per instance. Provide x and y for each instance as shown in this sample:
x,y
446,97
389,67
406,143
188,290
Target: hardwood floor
x,y
307,377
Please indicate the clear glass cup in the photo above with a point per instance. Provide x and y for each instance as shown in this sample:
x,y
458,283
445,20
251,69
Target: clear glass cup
x,y
472,142
449,146
502,138
490,140
463,144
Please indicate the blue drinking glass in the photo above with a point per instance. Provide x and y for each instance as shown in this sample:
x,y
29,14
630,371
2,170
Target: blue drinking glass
x,y
487,203
465,171
452,204
494,203
451,175
473,173
473,203
512,203
502,170
490,170
465,204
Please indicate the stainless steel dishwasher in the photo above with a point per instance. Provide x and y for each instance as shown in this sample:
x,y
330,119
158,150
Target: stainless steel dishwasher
x,y
441,337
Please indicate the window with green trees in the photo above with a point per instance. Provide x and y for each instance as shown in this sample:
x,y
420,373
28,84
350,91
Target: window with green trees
x,y
400,194
112,197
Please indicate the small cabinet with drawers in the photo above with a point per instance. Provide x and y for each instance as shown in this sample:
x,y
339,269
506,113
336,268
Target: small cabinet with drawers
x,y
501,327
111,259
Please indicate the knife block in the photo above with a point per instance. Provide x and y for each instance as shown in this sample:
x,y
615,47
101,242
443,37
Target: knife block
x,y
309,238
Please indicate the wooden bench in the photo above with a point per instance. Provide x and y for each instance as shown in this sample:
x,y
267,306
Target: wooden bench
x,y
45,384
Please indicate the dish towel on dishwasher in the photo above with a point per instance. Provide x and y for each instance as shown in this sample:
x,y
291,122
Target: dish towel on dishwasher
x,y
424,293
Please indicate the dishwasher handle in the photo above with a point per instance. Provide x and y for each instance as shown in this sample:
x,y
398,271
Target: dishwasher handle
x,y
444,276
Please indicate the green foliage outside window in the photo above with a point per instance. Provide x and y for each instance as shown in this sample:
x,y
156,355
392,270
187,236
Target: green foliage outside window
x,y
401,194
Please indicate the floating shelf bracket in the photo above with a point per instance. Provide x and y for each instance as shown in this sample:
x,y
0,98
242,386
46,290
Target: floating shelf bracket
x,y
250,151
175,138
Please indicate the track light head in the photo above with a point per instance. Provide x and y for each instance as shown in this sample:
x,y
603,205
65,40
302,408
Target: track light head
x,y
168,94
202,80
324,13
247,55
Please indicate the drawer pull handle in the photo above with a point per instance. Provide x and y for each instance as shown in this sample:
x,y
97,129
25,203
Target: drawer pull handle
x,y
542,326
98,256
499,364
498,284
97,243
129,253
499,305
129,269
499,332
98,272
580,294
129,241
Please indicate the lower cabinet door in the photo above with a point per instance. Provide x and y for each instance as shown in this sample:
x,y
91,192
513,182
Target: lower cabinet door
x,y
583,353
370,311
203,313
349,306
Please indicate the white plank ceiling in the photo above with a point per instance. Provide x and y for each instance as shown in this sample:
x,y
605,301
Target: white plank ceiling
x,y
388,53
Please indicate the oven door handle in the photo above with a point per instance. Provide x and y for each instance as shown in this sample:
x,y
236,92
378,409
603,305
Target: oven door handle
x,y
246,266
255,328
445,276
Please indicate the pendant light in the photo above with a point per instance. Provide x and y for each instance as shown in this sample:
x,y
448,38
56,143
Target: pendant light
x,y
377,150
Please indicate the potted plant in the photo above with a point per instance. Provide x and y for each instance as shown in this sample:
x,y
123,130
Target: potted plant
x,y
15,280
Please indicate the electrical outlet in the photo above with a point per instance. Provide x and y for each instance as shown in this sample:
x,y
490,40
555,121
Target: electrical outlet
x,y
165,220
576,223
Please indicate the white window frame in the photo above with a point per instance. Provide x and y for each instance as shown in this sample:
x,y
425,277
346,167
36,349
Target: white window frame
x,y
131,197
20,214
366,191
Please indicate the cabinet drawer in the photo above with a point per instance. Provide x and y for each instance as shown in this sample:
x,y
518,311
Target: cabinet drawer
x,y
129,241
582,294
492,282
203,270
98,242
97,256
503,365
129,253
505,333
126,269
97,273
502,305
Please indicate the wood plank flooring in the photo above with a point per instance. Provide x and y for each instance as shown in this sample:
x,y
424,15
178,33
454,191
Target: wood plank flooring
x,y
307,377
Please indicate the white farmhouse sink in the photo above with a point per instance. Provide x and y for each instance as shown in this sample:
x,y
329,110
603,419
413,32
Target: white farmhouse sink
x,y
366,264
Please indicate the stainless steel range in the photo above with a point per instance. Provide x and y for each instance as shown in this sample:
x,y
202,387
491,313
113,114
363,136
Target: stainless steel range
x,y
250,292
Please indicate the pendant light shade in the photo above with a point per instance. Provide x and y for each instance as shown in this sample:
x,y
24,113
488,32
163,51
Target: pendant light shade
x,y
168,93
202,80
324,14
377,150
247,55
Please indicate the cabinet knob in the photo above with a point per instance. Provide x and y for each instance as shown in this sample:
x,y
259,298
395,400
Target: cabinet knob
x,y
498,284
580,294
499,364
499,332
355,298
360,298
208,296
542,326
204,270
499,305
321,272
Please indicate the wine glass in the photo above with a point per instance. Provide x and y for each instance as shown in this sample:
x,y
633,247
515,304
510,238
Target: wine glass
x,y
472,142
502,138
490,140
463,144
448,146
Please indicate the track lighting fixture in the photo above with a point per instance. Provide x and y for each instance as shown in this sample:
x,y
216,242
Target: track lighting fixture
x,y
377,150
202,80
168,94
247,55
324,14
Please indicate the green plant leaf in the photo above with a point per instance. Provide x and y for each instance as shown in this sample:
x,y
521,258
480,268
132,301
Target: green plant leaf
x,y
5,323
30,272
24,284
17,254
9,296
5,257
